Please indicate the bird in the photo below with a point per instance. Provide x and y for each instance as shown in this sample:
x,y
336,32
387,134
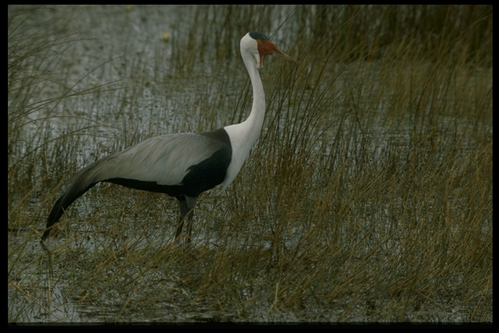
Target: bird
x,y
182,165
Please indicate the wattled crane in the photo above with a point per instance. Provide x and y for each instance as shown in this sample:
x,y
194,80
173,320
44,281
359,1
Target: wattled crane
x,y
183,165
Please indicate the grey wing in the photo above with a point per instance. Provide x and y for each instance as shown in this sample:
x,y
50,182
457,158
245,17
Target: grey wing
x,y
163,159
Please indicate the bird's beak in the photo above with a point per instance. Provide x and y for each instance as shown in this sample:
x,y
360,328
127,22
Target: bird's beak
x,y
267,47
284,56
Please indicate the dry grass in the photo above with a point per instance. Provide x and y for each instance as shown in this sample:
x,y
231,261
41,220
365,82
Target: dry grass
x,y
367,199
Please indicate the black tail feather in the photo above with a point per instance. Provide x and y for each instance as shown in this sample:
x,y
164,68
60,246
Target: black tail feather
x,y
74,192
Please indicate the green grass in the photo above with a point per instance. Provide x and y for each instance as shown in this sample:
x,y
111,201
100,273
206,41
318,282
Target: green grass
x,y
368,197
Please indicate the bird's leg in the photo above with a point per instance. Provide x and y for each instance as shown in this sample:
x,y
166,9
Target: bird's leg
x,y
191,202
186,205
183,210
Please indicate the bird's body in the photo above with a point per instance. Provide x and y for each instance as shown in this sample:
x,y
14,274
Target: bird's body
x,y
182,165
158,164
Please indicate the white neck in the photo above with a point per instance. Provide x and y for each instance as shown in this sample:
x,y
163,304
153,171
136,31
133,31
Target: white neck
x,y
249,130
244,135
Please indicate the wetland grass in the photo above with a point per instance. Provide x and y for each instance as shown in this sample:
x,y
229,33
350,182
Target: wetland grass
x,y
368,197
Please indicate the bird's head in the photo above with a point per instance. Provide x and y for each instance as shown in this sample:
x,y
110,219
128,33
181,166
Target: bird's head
x,y
259,46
